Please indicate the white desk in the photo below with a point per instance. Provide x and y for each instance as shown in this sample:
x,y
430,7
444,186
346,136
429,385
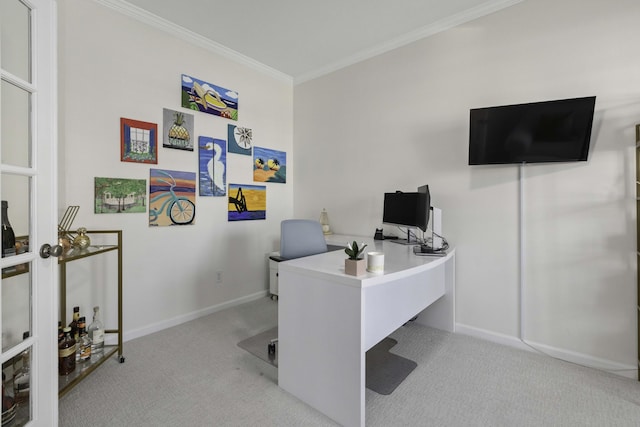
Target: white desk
x,y
327,320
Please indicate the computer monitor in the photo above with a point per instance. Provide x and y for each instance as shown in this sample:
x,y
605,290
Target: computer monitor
x,y
410,210
424,207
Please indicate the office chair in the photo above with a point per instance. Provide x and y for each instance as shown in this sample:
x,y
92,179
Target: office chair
x,y
298,238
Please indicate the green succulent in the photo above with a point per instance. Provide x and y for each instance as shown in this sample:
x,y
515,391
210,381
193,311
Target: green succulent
x,y
354,251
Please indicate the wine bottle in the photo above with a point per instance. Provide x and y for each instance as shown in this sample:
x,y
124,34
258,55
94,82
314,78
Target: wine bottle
x,y
74,323
67,353
8,236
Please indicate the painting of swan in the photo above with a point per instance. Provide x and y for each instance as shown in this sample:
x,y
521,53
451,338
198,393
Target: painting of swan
x,y
212,166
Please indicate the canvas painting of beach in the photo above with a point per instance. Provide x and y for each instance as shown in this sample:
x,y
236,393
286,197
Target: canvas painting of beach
x,y
269,165
247,202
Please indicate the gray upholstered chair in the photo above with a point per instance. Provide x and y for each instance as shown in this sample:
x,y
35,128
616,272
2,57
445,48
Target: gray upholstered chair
x,y
301,237
298,238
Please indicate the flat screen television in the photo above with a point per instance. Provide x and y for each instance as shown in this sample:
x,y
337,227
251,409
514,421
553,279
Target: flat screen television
x,y
538,132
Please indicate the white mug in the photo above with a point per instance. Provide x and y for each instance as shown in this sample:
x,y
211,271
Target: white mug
x,y
375,262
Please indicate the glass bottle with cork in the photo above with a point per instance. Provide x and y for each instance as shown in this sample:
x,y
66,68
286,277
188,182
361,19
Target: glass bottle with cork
x,y
96,333
84,344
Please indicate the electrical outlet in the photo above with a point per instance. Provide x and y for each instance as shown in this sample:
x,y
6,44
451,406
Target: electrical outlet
x,y
218,276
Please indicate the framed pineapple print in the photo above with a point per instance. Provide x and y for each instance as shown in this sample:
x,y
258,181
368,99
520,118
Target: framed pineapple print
x,y
138,141
178,130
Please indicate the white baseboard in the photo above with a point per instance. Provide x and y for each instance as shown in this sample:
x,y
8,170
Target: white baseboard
x,y
159,326
624,370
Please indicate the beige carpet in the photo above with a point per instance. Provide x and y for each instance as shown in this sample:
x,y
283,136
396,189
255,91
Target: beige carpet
x,y
196,375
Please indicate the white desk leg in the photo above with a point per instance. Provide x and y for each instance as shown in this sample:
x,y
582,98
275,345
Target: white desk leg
x,y
442,313
321,357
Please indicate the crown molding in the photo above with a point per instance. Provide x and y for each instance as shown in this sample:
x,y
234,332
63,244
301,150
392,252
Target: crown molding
x,y
191,37
484,9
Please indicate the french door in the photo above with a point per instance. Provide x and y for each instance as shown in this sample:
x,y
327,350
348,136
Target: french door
x,y
28,189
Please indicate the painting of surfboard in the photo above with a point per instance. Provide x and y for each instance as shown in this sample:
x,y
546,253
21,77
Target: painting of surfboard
x,y
247,202
206,97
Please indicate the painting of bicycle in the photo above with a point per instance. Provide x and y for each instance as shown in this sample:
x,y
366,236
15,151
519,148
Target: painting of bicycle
x,y
247,202
172,197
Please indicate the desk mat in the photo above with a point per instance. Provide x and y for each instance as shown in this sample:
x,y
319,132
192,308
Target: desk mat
x,y
384,370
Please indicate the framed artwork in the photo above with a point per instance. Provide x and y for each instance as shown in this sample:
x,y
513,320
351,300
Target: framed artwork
x,y
212,161
209,98
269,165
138,141
240,139
247,202
178,130
172,197
120,195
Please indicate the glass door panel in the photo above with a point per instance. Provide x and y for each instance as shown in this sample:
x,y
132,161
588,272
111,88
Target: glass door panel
x,y
27,177
16,197
15,39
16,304
15,132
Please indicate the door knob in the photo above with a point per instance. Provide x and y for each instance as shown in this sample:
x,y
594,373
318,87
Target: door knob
x,y
47,250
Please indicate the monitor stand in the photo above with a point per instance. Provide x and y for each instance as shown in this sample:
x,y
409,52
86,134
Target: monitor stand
x,y
410,240
405,241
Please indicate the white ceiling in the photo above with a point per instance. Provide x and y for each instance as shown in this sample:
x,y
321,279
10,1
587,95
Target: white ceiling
x,y
304,39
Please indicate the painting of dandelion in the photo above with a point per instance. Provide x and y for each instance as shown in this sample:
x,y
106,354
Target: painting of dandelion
x,y
120,195
208,98
212,160
247,202
178,130
138,141
269,165
240,139
172,197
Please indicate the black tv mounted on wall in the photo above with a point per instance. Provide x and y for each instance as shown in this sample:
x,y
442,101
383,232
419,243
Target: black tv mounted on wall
x,y
538,132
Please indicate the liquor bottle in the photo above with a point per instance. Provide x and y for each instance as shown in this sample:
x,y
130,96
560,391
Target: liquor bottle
x,y
74,323
67,353
84,345
8,237
60,333
22,377
96,333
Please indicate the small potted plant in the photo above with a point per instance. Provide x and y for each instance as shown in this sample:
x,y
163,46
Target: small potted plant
x,y
355,264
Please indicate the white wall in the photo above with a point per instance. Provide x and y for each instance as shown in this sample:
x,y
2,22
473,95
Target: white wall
x,y
400,120
114,66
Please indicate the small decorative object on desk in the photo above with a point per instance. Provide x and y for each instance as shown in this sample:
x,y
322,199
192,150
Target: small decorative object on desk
x,y
82,241
324,221
375,262
64,237
355,265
